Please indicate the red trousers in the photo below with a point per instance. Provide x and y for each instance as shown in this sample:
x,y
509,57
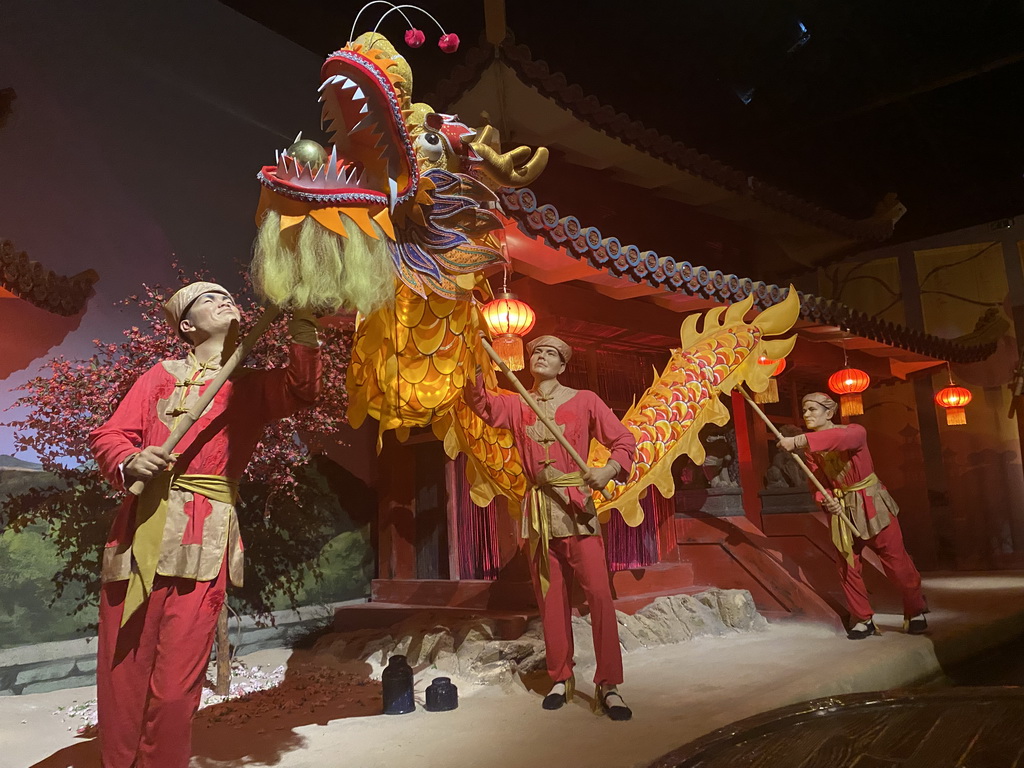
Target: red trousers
x,y
899,568
583,556
149,675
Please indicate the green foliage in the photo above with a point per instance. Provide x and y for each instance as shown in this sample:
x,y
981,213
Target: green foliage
x,y
29,613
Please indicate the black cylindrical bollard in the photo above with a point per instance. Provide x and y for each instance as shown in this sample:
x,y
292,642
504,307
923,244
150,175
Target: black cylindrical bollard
x,y
397,685
442,695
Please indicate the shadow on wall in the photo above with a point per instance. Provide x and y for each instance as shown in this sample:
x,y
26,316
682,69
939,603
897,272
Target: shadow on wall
x,y
38,331
987,526
159,143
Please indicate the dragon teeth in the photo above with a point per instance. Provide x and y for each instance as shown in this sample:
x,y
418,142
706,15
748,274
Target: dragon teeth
x,y
332,166
333,80
367,123
382,145
392,193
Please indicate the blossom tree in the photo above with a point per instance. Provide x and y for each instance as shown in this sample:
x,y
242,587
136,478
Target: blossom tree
x,y
284,524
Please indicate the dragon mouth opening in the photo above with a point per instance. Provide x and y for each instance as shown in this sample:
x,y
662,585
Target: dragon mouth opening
x,y
369,158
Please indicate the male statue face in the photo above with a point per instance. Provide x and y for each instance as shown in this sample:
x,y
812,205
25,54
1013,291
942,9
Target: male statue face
x,y
546,363
211,314
816,416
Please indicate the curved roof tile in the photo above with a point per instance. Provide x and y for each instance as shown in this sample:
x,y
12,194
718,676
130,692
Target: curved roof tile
x,y
587,243
604,117
31,281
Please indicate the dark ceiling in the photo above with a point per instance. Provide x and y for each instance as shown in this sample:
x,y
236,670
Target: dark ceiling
x,y
838,101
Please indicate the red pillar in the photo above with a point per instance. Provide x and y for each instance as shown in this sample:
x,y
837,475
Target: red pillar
x,y
396,555
752,454
451,482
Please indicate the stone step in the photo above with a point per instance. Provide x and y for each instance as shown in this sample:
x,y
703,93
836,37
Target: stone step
x,y
632,603
658,578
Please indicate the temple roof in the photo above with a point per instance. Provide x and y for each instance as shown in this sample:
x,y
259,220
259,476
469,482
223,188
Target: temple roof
x,y
837,103
624,271
531,104
29,280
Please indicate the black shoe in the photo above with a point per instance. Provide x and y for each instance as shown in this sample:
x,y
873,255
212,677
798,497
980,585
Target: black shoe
x,y
616,708
916,626
860,634
553,701
558,700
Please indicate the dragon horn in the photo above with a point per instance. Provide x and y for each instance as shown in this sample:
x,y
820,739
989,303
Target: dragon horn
x,y
515,168
488,136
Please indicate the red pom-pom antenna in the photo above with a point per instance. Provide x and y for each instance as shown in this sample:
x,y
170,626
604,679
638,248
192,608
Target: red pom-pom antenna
x,y
449,43
414,38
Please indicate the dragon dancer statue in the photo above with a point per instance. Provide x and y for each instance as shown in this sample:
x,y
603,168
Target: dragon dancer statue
x,y
396,218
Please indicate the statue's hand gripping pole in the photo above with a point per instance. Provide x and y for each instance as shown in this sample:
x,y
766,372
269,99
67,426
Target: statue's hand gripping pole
x,y
194,413
841,515
552,428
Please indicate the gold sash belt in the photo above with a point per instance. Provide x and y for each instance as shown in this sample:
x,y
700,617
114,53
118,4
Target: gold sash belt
x,y
537,522
842,537
151,518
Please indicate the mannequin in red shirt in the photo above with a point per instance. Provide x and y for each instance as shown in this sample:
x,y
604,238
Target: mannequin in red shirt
x,y
839,456
560,513
157,621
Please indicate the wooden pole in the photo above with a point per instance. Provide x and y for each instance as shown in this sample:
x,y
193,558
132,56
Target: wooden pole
x,y
241,352
552,427
817,484
223,684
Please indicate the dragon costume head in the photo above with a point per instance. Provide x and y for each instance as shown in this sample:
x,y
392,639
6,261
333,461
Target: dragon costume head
x,y
399,192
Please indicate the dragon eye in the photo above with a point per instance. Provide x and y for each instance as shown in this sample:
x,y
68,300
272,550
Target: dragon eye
x,y
430,145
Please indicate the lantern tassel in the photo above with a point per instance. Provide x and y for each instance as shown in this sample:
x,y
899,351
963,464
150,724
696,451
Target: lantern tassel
x,y
510,349
770,395
956,416
851,404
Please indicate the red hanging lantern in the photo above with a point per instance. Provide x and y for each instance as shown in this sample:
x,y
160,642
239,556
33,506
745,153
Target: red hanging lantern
x,y
954,400
771,392
848,384
509,319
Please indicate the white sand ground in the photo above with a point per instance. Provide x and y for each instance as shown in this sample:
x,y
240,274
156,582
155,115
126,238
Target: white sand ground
x,y
677,693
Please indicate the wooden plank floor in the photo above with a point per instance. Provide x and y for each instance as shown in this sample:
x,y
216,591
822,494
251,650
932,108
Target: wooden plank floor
x,y
950,728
